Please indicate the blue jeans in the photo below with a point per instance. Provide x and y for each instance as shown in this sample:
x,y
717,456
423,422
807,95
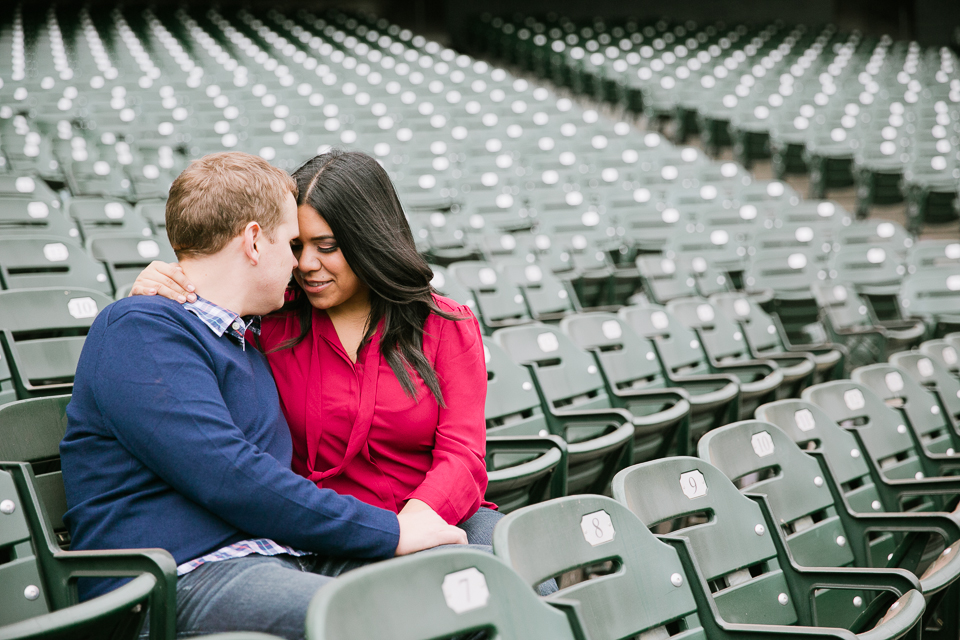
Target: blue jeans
x,y
272,593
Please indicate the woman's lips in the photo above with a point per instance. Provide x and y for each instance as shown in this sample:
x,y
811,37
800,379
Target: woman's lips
x,y
316,286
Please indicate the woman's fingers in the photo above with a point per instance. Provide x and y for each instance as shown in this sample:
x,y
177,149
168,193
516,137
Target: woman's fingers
x,y
175,272
147,288
164,279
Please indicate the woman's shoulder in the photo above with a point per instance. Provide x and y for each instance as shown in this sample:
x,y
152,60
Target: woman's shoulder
x,y
452,307
460,330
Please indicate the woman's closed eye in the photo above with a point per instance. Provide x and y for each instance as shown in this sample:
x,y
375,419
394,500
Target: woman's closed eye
x,y
328,246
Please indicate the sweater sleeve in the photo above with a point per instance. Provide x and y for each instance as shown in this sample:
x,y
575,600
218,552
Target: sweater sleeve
x,y
168,411
457,479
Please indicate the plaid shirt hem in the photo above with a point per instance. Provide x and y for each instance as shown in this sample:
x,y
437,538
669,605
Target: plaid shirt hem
x,y
262,546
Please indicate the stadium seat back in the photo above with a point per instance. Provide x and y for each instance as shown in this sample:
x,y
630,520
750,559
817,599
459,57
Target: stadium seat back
x,y
568,376
919,406
545,295
498,301
879,428
434,595
726,531
628,360
38,599
125,256
43,331
760,458
758,326
678,346
932,374
32,261
812,429
26,216
584,532
512,405
721,338
102,216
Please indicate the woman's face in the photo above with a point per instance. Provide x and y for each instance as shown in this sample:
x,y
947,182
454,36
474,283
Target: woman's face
x,y
322,271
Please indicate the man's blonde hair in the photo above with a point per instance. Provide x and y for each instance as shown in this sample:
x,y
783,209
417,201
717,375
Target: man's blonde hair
x,y
215,197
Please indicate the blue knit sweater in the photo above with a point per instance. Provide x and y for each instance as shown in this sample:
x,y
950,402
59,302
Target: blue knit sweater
x,y
175,440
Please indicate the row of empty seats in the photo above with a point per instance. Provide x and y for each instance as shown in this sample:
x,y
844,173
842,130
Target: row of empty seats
x,y
846,108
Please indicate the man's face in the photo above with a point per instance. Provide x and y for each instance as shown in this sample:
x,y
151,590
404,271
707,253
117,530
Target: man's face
x,y
276,260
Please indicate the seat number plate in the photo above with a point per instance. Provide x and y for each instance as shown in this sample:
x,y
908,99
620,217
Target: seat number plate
x,y
693,484
597,528
82,308
465,590
762,444
853,399
804,420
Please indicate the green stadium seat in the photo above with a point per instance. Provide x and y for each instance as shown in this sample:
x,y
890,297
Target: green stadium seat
x,y
932,295
42,331
891,446
766,336
726,346
920,407
525,463
28,186
848,319
599,435
634,379
941,350
758,583
125,256
863,489
933,374
499,303
547,540
758,380
546,297
26,216
435,595
34,261
714,398
817,527
40,599
102,216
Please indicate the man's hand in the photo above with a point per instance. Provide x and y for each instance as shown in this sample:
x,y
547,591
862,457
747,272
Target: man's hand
x,y
424,529
166,279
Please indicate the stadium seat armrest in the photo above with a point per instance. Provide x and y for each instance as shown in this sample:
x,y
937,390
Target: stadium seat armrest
x,y
717,628
531,444
943,485
675,394
594,416
129,563
766,366
795,357
571,609
720,379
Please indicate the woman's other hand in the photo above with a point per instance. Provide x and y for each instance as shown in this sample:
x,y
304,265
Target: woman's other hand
x,y
166,279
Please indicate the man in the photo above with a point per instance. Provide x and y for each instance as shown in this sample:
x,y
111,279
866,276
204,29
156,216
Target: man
x,y
175,437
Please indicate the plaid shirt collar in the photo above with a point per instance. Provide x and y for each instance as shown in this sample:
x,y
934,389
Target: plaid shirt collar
x,y
222,320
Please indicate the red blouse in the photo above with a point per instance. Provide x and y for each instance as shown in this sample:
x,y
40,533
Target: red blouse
x,y
355,430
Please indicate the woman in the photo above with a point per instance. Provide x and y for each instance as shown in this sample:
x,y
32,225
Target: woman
x,y
381,380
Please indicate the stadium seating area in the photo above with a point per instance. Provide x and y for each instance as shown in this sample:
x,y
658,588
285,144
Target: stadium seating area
x,y
848,109
643,302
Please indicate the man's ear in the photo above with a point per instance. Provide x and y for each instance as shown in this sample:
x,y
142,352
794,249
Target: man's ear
x,y
252,234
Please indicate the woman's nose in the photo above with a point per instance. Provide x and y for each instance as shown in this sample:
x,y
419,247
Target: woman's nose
x,y
309,262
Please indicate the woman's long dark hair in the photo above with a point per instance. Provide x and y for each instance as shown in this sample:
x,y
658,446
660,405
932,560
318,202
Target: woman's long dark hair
x,y
353,193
